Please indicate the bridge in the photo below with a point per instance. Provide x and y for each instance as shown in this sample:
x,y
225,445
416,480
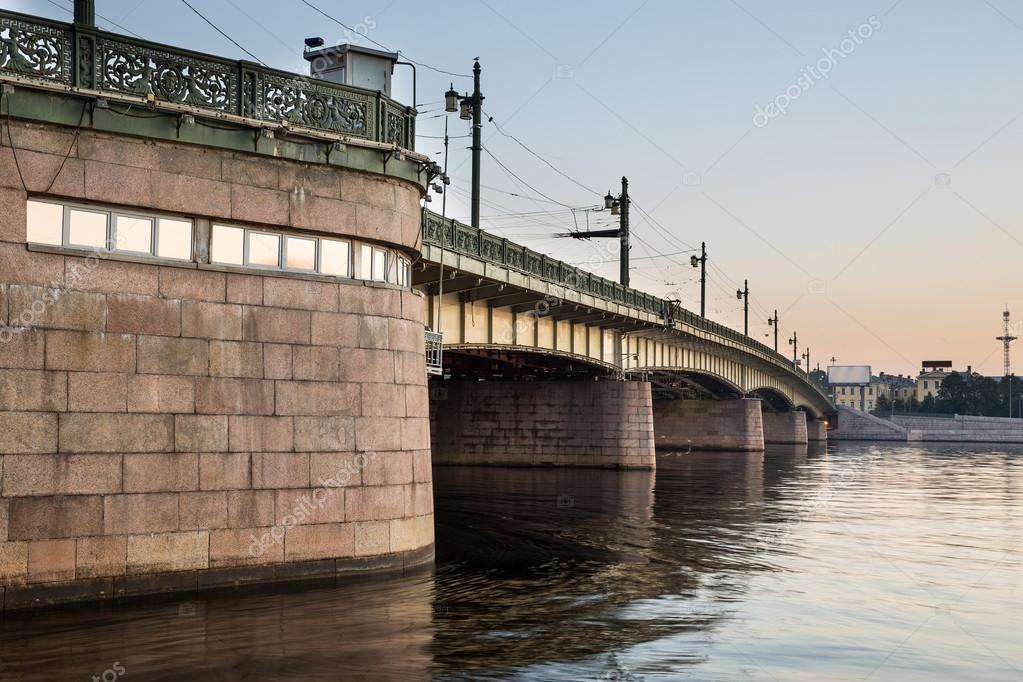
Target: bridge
x,y
510,314
215,280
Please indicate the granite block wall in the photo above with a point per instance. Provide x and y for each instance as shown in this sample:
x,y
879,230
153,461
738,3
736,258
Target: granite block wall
x,y
161,418
735,425
543,423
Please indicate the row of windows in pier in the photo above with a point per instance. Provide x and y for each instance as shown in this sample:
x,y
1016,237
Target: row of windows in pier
x,y
113,231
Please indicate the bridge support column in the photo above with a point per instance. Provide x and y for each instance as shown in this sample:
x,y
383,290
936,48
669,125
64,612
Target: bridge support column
x,y
785,428
816,432
709,425
543,423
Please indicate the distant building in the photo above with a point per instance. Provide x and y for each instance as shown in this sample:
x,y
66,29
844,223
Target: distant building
x,y
932,374
862,397
865,398
898,387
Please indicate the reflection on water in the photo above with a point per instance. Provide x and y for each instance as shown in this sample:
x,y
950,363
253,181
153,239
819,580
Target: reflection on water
x,y
866,562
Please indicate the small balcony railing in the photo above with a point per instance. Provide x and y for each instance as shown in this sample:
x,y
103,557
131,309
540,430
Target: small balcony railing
x,y
434,353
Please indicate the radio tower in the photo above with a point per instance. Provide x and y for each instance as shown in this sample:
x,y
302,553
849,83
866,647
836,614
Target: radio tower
x,y
1006,338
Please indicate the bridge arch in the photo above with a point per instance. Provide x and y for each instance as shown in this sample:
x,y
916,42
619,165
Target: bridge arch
x,y
673,380
810,411
775,399
520,361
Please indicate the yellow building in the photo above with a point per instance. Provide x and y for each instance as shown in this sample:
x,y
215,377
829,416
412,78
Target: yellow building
x,y
862,397
928,383
866,397
932,374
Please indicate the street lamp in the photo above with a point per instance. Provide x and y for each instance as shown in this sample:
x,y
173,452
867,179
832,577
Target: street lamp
x,y
451,100
618,206
794,342
701,262
773,322
740,294
806,356
470,108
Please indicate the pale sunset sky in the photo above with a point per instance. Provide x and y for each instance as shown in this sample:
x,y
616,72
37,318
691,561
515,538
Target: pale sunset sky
x,y
876,213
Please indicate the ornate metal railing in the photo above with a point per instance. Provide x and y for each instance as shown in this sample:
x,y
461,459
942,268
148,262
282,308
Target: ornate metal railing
x,y
76,56
460,238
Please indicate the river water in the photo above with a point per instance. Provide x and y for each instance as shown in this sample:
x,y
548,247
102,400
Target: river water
x,y
879,562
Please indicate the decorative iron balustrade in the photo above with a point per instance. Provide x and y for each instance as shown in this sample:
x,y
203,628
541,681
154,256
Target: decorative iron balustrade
x,y
76,56
460,238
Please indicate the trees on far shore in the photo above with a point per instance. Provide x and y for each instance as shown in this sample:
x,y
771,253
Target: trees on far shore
x,y
966,394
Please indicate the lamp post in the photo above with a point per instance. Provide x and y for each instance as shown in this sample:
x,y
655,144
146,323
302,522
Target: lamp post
x,y
85,13
744,294
618,206
806,356
470,108
794,342
773,322
701,262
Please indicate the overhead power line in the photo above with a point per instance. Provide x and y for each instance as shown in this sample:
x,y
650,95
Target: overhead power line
x,y
490,119
381,45
511,173
106,19
217,29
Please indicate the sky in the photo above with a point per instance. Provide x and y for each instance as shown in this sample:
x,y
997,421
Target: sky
x,y
856,162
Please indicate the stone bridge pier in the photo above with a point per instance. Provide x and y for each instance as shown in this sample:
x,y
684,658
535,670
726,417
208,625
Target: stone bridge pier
x,y
816,430
785,428
734,425
607,424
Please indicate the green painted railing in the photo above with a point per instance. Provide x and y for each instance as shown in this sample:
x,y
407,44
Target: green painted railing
x,y
456,236
76,56
461,238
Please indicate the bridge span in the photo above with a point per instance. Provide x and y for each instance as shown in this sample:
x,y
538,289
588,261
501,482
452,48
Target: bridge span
x,y
535,352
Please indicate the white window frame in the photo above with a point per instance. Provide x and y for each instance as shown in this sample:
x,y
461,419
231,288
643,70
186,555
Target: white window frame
x,y
349,266
63,220
191,238
213,244
110,235
363,249
285,238
66,234
373,265
112,232
245,249
386,265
